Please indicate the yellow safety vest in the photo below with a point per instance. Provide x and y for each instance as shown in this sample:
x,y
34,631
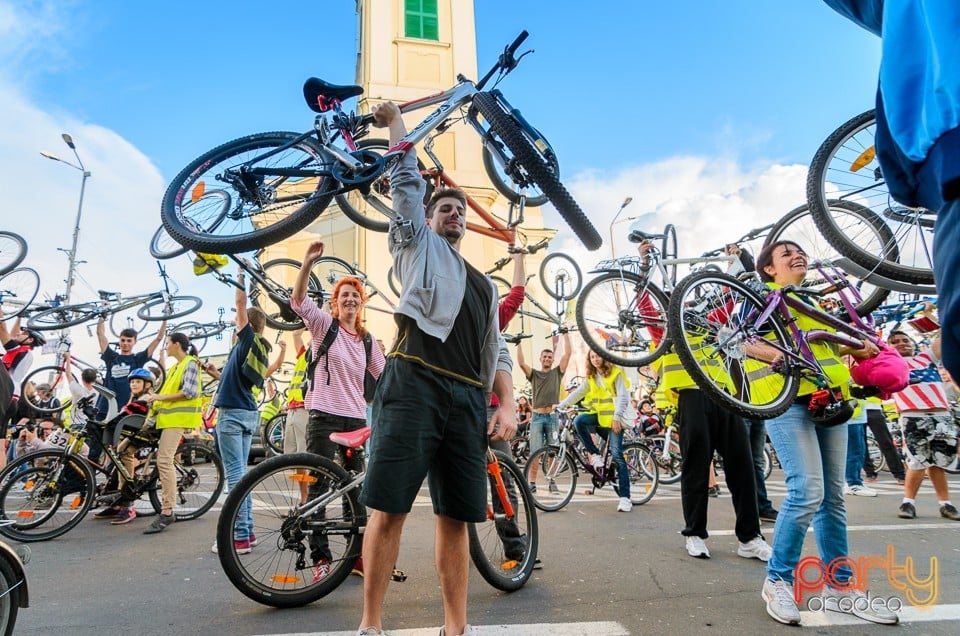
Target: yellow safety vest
x,y
764,381
674,378
270,408
180,413
295,392
599,398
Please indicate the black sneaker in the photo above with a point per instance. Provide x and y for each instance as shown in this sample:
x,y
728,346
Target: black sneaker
x,y
159,524
949,511
907,511
769,515
714,491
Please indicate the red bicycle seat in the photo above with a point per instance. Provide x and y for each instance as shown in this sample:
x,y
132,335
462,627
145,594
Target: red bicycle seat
x,y
351,439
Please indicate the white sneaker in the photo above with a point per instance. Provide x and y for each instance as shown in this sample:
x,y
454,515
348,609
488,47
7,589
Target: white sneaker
x,y
859,491
755,548
780,604
369,631
625,505
858,605
697,548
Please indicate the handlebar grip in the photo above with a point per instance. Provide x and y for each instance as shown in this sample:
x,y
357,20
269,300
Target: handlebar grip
x,y
516,43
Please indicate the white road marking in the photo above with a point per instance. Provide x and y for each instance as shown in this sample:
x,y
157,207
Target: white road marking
x,y
908,614
600,628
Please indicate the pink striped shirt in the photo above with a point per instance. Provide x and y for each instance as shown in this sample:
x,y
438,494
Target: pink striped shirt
x,y
346,360
925,392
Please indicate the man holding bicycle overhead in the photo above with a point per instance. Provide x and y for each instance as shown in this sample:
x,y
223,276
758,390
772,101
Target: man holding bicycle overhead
x,y
545,382
122,360
431,401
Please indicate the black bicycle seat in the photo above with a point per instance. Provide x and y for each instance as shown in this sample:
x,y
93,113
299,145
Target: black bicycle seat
x,y
317,93
639,236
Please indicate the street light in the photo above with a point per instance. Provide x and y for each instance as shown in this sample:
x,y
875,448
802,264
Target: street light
x,y
72,254
625,203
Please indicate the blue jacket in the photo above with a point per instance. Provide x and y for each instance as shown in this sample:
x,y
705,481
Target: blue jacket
x,y
432,274
918,102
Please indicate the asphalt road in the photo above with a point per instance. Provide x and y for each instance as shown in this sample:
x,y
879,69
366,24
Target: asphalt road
x,y
604,573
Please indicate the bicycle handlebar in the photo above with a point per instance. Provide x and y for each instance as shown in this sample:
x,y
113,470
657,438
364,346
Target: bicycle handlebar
x,y
756,232
506,60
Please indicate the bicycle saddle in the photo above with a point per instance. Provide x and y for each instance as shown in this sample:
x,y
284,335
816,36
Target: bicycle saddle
x,y
351,439
639,236
319,93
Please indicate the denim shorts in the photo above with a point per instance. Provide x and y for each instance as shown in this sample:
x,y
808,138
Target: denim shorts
x,y
427,425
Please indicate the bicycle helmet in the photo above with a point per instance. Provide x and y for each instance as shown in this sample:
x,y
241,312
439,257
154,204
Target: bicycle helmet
x,y
38,340
141,374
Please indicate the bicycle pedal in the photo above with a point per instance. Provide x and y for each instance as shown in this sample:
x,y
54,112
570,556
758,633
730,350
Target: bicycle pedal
x,y
399,576
588,491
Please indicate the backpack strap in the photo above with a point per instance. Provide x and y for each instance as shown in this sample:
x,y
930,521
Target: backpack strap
x,y
367,346
312,361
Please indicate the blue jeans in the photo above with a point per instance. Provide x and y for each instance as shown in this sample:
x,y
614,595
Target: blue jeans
x,y
946,258
757,432
813,460
856,447
586,424
235,431
543,430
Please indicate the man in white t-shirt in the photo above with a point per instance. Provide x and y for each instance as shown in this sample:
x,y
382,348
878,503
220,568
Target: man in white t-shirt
x,y
929,433
80,391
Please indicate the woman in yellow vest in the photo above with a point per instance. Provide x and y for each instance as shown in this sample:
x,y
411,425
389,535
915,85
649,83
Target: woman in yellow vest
x,y
606,394
814,460
174,410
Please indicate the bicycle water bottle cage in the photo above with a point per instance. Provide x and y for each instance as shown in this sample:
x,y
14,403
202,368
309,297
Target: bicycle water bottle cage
x,y
321,96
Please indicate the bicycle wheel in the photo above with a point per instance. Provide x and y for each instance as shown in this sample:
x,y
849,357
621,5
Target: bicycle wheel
x,y
767,463
846,168
273,431
370,207
13,249
45,493
280,571
163,246
330,269
713,322
668,250
64,316
393,282
539,170
504,547
644,473
59,382
9,597
175,307
200,479
553,474
560,276
623,318
268,202
670,466
869,230
507,177
18,288
274,299
127,319
876,456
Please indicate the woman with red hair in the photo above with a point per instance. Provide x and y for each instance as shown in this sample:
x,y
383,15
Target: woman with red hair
x,y
334,398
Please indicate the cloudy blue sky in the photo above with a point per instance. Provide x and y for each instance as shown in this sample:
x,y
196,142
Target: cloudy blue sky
x,y
706,113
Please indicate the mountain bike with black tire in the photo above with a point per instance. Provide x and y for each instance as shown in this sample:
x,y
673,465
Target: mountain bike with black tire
x,y
13,249
155,306
277,183
553,470
46,493
303,497
845,168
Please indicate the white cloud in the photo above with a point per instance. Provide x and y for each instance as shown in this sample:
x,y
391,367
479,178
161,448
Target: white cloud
x,y
709,200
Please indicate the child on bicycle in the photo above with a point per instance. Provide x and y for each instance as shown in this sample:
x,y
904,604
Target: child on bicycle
x,y
141,385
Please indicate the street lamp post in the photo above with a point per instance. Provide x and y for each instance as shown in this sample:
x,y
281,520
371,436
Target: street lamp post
x,y
72,254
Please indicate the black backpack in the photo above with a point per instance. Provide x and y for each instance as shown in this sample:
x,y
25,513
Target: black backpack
x,y
369,382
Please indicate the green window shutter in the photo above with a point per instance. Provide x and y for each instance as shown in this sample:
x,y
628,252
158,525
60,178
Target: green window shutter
x,y
420,19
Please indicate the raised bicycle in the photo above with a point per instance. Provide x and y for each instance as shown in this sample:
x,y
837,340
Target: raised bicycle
x,y
18,289
846,168
13,249
723,326
279,182
156,306
279,571
48,492
557,473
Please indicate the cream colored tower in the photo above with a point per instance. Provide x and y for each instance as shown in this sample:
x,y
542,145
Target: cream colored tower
x,y
409,49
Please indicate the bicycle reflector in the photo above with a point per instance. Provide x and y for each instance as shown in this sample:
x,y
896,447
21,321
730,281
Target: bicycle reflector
x,y
198,191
